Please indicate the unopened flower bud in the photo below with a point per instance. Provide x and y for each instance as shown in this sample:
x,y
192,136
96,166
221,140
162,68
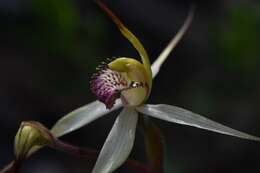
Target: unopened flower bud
x,y
30,136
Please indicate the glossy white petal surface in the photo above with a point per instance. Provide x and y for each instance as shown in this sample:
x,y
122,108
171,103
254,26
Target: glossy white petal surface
x,y
81,117
96,109
119,142
165,53
185,117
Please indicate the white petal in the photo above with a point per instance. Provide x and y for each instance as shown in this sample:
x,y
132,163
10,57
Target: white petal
x,y
81,117
185,117
165,53
119,142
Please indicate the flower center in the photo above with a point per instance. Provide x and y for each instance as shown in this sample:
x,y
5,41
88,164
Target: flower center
x,y
109,84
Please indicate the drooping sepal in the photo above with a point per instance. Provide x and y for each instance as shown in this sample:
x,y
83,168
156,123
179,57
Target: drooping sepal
x,y
154,144
182,116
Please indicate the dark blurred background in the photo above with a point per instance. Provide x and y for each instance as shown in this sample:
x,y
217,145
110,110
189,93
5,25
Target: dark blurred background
x,y
50,48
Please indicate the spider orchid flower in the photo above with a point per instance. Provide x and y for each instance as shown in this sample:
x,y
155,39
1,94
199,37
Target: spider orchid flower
x,y
126,82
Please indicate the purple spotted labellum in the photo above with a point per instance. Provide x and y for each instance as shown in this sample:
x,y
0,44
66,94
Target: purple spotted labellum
x,y
127,82
107,85
123,78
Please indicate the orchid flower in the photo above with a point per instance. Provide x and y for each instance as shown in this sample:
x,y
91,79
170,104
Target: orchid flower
x,y
126,82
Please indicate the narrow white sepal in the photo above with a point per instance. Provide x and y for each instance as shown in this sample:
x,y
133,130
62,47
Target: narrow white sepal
x,y
119,142
96,109
81,116
185,117
165,53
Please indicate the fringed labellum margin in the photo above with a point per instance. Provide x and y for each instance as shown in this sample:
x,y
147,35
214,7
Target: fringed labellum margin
x,y
123,78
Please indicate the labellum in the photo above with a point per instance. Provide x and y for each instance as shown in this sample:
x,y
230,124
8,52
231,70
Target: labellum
x,y
123,78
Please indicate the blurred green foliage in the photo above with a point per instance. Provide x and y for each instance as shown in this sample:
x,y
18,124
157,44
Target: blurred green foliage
x,y
238,39
58,23
58,33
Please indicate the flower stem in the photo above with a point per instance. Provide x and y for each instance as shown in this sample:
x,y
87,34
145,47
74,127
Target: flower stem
x,y
93,154
12,167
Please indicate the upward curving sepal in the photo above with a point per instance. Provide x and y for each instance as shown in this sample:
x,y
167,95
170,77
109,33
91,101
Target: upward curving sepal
x,y
173,43
132,38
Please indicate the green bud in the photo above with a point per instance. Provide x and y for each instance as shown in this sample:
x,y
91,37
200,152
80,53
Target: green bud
x,y
30,136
